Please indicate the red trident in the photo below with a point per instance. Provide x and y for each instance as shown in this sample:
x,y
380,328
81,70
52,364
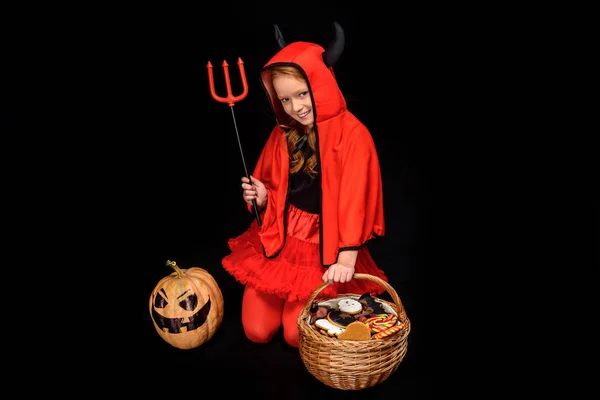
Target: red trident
x,y
231,100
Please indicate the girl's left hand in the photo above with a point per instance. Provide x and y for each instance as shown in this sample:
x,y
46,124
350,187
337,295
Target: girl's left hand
x,y
338,273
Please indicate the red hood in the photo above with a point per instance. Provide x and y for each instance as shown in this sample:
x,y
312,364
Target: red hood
x,y
308,57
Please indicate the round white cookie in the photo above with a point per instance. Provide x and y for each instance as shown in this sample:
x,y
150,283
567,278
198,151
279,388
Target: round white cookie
x,y
350,306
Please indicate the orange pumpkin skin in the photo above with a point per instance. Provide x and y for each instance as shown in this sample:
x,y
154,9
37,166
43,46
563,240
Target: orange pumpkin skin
x,y
186,307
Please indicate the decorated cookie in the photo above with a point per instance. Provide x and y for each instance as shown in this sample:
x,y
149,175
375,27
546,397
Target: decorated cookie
x,y
370,304
350,306
340,319
328,327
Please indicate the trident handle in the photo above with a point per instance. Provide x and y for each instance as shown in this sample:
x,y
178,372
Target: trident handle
x,y
231,100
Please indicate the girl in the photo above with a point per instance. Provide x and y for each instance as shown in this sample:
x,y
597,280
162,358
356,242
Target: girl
x,y
317,185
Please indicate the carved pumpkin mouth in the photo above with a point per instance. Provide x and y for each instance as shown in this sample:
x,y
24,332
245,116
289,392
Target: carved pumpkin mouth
x,y
174,325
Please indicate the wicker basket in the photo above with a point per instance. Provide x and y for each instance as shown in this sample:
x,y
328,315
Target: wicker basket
x,y
347,364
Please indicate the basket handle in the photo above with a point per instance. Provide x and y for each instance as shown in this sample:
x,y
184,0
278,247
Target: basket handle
x,y
388,288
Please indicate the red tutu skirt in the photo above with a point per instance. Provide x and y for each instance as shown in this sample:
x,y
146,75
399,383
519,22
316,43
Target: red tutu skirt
x,y
296,272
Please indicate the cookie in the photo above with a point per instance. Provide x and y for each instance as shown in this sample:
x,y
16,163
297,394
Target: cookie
x,y
350,306
369,303
327,326
356,331
340,319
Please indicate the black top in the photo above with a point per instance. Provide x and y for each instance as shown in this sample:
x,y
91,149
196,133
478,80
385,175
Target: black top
x,y
305,192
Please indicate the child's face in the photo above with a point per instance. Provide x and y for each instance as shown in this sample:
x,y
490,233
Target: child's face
x,y
295,98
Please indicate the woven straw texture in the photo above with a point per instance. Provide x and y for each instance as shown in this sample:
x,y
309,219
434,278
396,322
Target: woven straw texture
x,y
349,364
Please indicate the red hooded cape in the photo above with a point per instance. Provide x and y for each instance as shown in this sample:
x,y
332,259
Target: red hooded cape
x,y
351,188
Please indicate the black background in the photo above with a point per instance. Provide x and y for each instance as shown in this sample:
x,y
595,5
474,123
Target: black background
x,y
130,162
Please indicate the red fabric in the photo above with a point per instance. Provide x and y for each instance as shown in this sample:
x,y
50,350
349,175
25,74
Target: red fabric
x,y
352,199
296,271
291,311
263,314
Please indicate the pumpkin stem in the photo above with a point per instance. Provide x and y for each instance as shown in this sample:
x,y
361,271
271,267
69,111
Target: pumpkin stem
x,y
173,265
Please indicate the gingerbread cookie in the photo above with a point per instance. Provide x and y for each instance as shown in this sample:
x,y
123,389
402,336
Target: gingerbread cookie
x,y
355,331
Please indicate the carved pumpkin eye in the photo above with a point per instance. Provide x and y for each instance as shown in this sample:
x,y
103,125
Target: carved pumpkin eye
x,y
190,303
160,300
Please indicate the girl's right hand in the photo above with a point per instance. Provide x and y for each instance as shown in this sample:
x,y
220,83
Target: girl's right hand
x,y
255,191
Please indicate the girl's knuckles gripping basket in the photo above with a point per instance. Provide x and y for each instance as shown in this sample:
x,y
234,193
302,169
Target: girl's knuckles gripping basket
x,y
353,364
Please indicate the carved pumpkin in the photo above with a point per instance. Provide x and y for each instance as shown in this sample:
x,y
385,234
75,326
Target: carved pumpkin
x,y
186,307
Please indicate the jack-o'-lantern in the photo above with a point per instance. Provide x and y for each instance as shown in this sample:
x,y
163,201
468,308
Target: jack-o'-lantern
x,y
186,307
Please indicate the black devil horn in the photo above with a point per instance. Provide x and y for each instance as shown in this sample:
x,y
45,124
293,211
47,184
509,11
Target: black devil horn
x,y
336,47
279,37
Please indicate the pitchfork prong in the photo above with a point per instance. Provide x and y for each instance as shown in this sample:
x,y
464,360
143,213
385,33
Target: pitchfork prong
x,y
230,99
